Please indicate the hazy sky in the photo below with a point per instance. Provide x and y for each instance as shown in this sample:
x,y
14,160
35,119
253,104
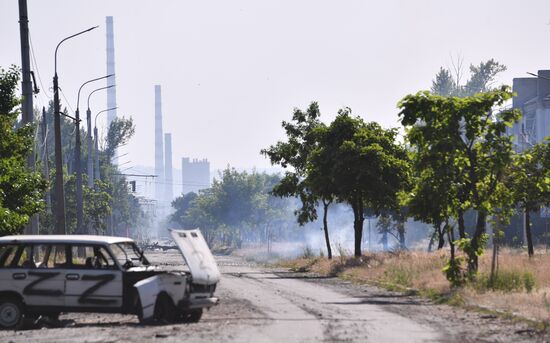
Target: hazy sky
x,y
231,71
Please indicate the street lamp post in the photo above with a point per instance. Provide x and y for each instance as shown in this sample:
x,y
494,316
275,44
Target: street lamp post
x,y
77,160
90,164
60,226
97,175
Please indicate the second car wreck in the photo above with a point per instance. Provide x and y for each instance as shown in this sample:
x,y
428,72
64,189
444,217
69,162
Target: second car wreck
x,y
49,274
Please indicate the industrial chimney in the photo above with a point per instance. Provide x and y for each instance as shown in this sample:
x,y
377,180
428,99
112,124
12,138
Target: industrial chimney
x,y
159,157
111,92
168,167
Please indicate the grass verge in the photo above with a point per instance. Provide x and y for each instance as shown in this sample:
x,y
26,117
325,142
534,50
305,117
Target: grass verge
x,y
521,289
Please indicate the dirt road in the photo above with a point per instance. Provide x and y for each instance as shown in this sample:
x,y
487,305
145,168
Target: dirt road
x,y
264,305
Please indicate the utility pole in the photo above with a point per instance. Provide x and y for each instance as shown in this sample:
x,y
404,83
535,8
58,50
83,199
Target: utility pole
x,y
78,170
59,191
90,162
26,87
96,171
45,159
78,160
60,226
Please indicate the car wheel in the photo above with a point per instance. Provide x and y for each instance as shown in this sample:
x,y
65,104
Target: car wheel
x,y
165,310
191,316
11,313
195,316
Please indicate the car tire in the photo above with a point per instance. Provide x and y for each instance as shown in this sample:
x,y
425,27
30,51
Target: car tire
x,y
165,310
11,313
191,316
195,316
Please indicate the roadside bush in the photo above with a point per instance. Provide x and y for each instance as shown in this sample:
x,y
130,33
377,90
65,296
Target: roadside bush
x,y
307,253
505,281
398,276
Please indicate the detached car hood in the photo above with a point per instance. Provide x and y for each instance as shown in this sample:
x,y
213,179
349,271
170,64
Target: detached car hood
x,y
197,255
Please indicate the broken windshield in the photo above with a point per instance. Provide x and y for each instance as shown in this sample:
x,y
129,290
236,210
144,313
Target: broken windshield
x,y
129,255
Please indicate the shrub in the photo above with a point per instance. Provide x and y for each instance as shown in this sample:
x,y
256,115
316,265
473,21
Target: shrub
x,y
308,252
399,276
505,281
528,281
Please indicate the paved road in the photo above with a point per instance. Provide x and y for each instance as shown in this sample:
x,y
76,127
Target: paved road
x,y
265,305
300,311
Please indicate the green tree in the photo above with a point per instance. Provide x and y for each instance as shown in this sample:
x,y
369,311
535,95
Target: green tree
x,y
120,132
21,190
294,153
238,207
96,201
466,136
481,78
530,183
365,165
181,205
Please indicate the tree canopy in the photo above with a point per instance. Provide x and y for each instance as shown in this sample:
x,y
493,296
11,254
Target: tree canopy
x,y
21,189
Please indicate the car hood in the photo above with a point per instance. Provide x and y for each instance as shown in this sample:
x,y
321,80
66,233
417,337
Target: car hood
x,y
197,255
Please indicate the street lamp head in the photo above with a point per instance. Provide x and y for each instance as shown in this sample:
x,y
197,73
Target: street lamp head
x,y
98,113
85,83
64,39
98,89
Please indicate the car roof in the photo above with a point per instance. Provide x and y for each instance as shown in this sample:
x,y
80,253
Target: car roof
x,y
64,239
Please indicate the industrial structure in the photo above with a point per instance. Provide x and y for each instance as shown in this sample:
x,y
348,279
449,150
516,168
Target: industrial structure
x,y
169,187
533,99
111,92
195,174
159,150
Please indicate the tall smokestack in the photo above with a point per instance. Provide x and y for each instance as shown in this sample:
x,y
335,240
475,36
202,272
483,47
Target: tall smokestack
x,y
159,158
111,92
168,167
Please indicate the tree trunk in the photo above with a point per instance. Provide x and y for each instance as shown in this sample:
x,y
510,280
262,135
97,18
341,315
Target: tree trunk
x,y
451,238
358,225
528,234
480,230
325,227
432,240
385,240
441,236
496,237
461,226
401,233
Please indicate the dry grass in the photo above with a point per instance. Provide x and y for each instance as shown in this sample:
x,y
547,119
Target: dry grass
x,y
422,271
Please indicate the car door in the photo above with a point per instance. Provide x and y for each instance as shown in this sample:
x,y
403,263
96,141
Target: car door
x,y
38,274
93,280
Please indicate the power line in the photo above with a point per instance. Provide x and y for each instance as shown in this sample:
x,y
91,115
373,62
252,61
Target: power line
x,y
36,68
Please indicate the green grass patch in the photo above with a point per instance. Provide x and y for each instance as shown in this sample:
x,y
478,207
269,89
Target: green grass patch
x,y
505,281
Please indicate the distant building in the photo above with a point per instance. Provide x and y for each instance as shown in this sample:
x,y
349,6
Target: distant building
x,y
195,174
533,99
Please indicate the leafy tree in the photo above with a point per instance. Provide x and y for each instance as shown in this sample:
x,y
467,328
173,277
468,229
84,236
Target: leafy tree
x,y
365,165
482,76
97,205
119,133
530,183
467,137
295,153
444,84
181,205
21,190
238,206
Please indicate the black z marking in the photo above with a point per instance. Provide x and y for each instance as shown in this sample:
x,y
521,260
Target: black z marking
x,y
42,276
102,280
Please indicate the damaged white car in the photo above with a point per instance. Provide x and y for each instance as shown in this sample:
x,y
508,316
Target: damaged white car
x,y
45,275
